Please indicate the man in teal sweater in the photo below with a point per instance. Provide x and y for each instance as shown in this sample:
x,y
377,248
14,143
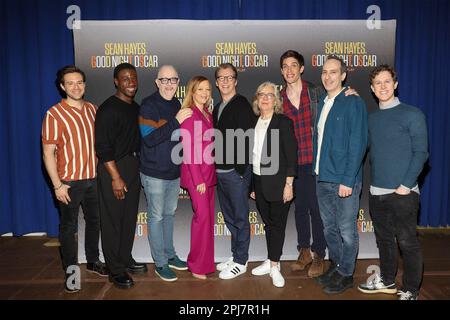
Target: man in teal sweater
x,y
398,151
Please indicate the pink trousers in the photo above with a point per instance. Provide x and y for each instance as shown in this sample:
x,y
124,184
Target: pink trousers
x,y
201,256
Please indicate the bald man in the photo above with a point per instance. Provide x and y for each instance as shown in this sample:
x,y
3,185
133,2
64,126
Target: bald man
x,y
160,116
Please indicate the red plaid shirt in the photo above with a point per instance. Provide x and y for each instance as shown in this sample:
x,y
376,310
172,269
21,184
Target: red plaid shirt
x,y
302,123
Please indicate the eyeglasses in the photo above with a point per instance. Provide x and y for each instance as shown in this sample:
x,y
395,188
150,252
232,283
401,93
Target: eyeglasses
x,y
173,80
223,78
269,96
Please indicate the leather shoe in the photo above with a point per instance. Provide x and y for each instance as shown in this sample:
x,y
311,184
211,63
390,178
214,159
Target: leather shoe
x,y
137,268
98,267
122,280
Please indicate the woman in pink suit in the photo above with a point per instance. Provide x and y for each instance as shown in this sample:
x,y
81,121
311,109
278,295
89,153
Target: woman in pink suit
x,y
198,175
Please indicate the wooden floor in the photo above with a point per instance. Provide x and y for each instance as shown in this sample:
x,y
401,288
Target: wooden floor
x,y
31,270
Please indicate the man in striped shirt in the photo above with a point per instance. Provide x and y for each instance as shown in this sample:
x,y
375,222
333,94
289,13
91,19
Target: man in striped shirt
x,y
69,157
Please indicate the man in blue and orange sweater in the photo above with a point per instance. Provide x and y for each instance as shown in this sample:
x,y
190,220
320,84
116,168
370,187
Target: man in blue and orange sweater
x,y
159,117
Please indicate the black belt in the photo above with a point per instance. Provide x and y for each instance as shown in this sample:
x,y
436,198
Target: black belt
x,y
134,154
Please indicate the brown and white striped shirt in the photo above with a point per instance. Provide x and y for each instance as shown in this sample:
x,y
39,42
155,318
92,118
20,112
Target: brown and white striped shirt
x,y
72,131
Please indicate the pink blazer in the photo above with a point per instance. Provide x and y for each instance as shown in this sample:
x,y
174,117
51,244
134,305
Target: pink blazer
x,y
198,161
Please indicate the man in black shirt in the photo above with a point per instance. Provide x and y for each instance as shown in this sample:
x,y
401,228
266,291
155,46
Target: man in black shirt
x,y
233,114
117,144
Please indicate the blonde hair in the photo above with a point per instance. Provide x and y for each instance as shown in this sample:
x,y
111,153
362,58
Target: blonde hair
x,y
278,107
191,88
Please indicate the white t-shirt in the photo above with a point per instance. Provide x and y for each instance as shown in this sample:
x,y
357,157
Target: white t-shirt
x,y
260,133
321,126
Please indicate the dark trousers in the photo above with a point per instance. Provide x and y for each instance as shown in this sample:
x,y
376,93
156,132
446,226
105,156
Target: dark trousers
x,y
307,214
395,218
232,190
274,215
118,217
82,193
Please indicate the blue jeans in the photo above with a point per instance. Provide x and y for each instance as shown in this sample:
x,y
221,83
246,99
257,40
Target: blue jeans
x,y
233,191
162,200
339,217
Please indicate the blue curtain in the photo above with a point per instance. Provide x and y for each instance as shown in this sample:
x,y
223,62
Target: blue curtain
x,y
37,43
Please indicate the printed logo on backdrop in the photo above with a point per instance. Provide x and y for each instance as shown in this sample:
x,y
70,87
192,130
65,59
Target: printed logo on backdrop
x,y
256,225
183,195
138,54
141,225
354,54
220,228
243,55
364,224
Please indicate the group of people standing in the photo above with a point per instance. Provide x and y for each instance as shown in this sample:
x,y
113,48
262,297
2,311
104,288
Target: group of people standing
x,y
303,143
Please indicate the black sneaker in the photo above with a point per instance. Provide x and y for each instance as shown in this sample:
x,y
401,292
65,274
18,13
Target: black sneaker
x,y
97,267
339,284
325,278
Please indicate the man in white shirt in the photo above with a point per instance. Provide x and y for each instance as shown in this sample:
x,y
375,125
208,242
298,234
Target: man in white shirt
x,y
339,147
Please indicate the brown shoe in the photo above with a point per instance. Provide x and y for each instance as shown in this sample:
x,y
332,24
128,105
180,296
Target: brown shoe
x,y
304,259
317,267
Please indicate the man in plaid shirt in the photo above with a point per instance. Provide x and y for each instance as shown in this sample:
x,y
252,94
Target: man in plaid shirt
x,y
300,99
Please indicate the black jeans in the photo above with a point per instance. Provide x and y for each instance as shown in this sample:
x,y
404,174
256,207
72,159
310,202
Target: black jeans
x,y
84,193
307,214
274,215
395,218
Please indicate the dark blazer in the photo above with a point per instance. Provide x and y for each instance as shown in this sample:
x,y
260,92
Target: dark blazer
x,y
237,114
283,163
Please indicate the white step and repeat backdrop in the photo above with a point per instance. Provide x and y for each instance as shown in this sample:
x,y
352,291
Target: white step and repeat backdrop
x,y
197,47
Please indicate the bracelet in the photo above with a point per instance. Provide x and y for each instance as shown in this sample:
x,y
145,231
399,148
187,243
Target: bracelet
x,y
59,187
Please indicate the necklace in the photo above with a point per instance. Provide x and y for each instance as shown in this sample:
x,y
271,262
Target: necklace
x,y
265,121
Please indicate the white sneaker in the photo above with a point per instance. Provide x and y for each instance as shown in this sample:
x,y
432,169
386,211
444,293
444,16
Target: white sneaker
x,y
233,270
376,285
223,265
407,295
277,278
262,269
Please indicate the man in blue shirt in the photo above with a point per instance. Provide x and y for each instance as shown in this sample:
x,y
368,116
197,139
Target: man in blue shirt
x,y
398,150
339,144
